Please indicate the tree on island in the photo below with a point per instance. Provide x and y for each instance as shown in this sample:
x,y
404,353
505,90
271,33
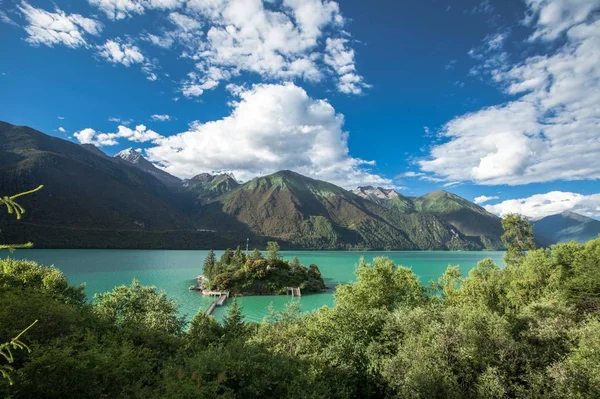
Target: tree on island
x,y
209,264
517,237
273,251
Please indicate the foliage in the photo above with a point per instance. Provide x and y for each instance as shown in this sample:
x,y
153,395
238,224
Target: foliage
x,y
255,275
517,237
6,352
530,329
139,307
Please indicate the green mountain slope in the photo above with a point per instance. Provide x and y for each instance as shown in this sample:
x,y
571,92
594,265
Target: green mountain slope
x,y
566,226
205,187
317,214
88,200
470,219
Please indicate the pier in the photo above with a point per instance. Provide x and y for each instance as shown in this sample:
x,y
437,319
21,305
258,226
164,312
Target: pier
x,y
295,291
223,295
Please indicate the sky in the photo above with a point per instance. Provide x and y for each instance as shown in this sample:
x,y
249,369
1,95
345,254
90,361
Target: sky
x,y
496,101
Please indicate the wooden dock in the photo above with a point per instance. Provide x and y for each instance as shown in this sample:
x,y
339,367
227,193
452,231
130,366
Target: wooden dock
x,y
223,295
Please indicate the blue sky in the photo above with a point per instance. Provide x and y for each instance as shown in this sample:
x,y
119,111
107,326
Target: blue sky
x,y
481,98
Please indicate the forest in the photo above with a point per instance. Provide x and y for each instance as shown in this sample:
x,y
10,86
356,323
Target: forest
x,y
530,329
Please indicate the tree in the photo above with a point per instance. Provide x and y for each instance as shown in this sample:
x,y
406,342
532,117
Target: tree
x,y
233,321
6,353
517,237
139,307
255,254
227,256
209,264
295,263
273,251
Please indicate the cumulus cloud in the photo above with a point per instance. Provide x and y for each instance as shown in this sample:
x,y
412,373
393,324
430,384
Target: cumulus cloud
x,y
61,129
550,131
120,9
551,203
140,134
341,58
117,52
51,28
161,117
270,128
484,198
282,41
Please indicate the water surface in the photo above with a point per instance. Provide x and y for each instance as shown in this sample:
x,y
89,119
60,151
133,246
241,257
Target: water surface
x,y
174,271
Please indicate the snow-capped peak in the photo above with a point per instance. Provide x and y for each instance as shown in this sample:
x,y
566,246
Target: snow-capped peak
x,y
129,155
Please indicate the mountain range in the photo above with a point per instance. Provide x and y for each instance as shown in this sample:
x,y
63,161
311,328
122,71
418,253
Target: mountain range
x,y
92,200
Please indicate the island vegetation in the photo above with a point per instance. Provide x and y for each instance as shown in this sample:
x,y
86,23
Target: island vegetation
x,y
527,330
255,274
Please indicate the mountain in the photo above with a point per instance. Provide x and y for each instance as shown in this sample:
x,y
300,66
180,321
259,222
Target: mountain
x,y
469,219
136,159
205,187
89,200
92,148
316,214
566,226
385,197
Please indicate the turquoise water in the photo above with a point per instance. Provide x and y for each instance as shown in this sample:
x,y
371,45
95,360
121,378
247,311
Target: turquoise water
x,y
174,271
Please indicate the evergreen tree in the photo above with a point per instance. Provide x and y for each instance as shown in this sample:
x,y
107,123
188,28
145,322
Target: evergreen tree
x,y
227,256
209,264
233,321
517,237
239,258
295,263
256,254
273,252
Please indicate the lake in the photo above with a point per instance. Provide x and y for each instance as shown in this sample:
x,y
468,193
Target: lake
x,y
174,271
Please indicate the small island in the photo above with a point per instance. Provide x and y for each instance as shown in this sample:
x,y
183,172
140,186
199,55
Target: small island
x,y
238,273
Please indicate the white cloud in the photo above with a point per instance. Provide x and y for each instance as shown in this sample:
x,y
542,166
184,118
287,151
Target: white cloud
x,y
341,58
61,118
271,127
61,129
120,9
140,134
161,117
50,28
117,52
484,198
551,203
550,131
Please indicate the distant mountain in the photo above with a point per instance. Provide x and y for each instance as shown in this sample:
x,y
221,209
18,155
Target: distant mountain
x,y
469,219
89,200
316,214
385,197
92,148
566,226
136,159
205,187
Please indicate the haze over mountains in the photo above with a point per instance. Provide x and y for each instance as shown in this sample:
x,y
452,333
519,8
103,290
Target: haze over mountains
x,y
91,200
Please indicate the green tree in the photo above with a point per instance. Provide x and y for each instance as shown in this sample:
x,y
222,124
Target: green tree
x,y
209,264
273,252
233,322
204,330
295,263
256,254
227,256
517,237
139,307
